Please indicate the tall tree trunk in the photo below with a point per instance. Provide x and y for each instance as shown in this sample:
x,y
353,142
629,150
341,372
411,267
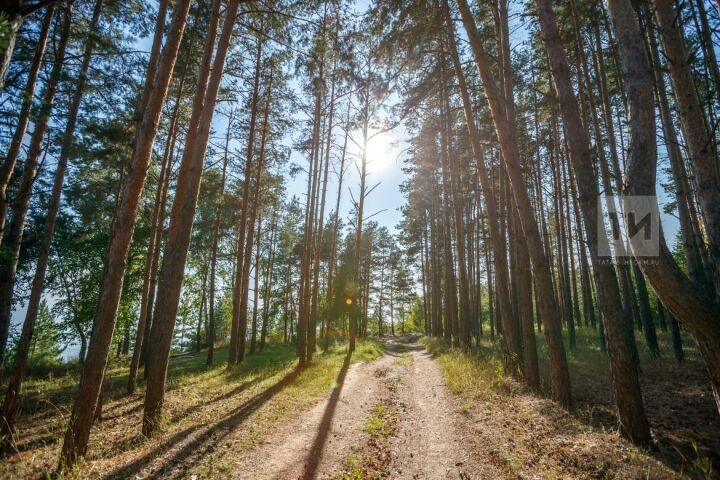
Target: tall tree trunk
x,y
16,143
698,313
215,242
183,213
693,243
249,243
628,396
334,232
507,135
21,202
360,213
235,339
76,437
700,140
267,287
254,330
502,283
17,374
156,230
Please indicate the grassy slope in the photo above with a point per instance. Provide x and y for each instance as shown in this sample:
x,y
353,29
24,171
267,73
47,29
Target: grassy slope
x,y
529,435
209,413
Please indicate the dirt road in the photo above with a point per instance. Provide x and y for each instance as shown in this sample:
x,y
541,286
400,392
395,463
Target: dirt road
x,y
421,441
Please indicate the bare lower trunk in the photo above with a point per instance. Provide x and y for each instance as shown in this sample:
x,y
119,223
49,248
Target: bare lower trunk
x,y
183,212
502,282
76,437
696,312
21,202
235,338
505,129
628,396
21,355
156,222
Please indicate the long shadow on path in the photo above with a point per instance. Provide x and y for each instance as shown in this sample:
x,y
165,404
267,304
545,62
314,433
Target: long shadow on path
x,y
202,442
314,456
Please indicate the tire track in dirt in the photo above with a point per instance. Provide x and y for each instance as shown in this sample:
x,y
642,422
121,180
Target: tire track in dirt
x,y
428,443
317,444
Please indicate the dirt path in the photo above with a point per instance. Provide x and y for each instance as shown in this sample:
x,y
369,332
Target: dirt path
x,y
429,444
317,444
425,442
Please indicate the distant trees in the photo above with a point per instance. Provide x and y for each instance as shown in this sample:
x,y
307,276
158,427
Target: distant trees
x,y
528,202
216,189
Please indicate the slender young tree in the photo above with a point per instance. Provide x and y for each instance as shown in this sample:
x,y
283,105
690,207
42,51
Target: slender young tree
x,y
21,201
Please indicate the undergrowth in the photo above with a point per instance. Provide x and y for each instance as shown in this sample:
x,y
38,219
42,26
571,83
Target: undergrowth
x,y
197,398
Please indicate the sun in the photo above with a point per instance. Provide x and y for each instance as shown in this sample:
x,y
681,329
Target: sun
x,y
379,150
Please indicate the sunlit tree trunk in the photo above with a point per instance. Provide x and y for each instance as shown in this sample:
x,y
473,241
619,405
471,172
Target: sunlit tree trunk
x,y
156,229
267,287
215,242
235,339
334,233
693,244
76,437
9,408
256,281
183,212
249,243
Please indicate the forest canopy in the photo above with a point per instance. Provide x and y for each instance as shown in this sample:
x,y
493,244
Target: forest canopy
x,y
532,186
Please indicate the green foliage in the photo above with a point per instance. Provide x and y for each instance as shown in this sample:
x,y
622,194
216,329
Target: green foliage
x,y
45,346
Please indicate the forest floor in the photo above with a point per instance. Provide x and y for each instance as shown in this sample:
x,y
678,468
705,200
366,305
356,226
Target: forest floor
x,y
408,409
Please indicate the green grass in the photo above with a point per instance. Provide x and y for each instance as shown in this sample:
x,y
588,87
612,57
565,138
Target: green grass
x,y
197,397
380,422
471,375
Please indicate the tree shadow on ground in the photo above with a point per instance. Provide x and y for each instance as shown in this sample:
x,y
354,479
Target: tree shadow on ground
x,y
315,454
198,443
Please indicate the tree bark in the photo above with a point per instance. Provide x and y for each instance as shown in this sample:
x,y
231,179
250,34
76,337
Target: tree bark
x,y
8,166
250,241
700,140
502,277
76,437
698,313
505,129
17,374
183,213
628,396
235,339
214,248
21,202
156,230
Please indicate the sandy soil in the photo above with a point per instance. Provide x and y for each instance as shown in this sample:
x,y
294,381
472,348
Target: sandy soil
x,y
425,444
317,444
428,444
